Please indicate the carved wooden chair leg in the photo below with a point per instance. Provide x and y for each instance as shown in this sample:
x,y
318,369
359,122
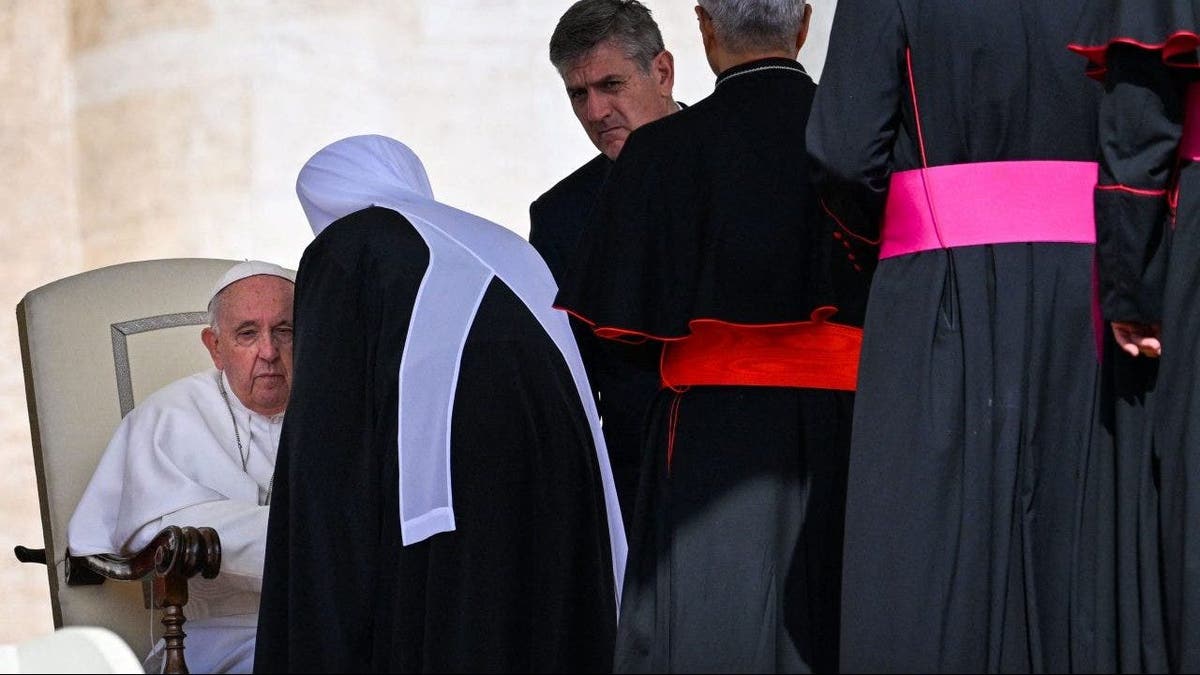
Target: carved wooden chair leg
x,y
170,593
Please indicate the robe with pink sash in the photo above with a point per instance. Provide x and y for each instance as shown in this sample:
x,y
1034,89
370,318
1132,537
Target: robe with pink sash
x,y
955,143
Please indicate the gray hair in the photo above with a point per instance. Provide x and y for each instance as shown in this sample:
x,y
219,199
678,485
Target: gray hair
x,y
214,309
589,23
747,26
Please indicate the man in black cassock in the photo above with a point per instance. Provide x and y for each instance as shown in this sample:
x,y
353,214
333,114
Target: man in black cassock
x,y
1146,222
442,497
618,76
965,129
708,247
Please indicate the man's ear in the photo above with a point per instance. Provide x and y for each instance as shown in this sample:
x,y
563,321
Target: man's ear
x,y
803,34
706,26
663,70
209,337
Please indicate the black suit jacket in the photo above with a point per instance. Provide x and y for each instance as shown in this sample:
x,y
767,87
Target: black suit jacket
x,y
557,218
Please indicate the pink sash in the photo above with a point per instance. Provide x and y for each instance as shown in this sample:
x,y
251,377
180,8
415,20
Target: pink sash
x,y
1189,145
989,203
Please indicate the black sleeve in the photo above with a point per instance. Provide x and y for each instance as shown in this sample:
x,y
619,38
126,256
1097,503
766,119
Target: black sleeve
x,y
856,115
1141,118
540,237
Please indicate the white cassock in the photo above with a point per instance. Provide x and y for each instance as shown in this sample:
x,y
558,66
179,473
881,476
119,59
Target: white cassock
x,y
175,460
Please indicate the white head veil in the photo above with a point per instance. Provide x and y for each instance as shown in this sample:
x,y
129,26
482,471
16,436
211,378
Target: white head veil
x,y
465,253
354,173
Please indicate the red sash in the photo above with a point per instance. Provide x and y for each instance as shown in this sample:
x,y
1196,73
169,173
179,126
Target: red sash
x,y
808,354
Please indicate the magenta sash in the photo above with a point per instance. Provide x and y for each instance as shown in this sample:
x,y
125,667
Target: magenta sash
x,y
989,203
1189,145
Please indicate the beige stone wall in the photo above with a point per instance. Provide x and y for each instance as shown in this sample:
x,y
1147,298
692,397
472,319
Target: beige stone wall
x,y
158,128
40,231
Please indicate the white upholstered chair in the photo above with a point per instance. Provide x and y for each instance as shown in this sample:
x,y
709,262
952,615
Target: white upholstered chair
x,y
92,346
78,649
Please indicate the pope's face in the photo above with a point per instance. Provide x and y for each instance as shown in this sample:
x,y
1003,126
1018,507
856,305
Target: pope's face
x,y
252,342
611,95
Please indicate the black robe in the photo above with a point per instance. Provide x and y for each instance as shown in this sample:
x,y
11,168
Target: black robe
x,y
735,546
624,380
968,545
1147,215
557,218
525,582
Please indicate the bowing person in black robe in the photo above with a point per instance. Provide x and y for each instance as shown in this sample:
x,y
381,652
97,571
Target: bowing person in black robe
x,y
964,129
1147,220
708,248
618,76
442,496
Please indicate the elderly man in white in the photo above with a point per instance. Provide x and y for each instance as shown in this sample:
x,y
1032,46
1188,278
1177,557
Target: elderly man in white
x,y
201,452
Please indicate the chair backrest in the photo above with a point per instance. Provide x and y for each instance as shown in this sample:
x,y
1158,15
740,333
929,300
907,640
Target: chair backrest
x,y
92,346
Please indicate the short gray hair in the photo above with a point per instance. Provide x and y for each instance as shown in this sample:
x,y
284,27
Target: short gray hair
x,y
214,309
754,25
589,23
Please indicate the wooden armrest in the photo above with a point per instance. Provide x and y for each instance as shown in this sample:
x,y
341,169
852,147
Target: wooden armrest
x,y
176,551
174,555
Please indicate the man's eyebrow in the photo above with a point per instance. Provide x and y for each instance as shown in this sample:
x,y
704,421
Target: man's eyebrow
x,y
245,324
609,78
603,79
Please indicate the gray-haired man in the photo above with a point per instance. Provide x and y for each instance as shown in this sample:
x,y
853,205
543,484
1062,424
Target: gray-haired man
x,y
618,77
709,247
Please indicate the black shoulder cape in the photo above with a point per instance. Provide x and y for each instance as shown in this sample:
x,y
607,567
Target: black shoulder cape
x,y
709,214
1166,26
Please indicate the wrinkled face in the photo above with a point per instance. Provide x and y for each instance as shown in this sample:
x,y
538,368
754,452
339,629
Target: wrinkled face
x,y
252,341
611,95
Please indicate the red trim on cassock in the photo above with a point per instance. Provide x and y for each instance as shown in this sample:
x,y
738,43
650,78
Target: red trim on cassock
x,y
912,86
838,221
625,335
1180,42
1132,190
672,425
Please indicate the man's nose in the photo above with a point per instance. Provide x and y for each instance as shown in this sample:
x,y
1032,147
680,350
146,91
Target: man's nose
x,y
268,349
597,107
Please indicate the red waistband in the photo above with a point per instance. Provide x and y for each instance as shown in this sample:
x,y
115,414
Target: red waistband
x,y
989,203
809,354
1189,145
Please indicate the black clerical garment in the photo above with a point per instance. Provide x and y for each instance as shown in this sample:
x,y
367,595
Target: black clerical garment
x,y
969,547
1149,246
525,581
557,218
624,380
708,218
